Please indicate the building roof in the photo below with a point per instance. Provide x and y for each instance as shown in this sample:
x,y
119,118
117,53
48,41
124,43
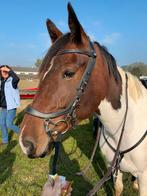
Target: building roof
x,y
25,69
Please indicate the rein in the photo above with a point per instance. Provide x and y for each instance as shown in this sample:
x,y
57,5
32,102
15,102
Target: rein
x,y
113,169
70,114
70,110
127,150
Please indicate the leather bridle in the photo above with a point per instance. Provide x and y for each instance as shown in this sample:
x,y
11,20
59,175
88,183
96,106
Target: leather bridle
x,y
70,111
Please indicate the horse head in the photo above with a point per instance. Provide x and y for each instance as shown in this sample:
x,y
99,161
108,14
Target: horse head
x,y
74,78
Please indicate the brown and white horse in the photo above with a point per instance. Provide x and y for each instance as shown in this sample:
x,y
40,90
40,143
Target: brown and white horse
x,y
105,94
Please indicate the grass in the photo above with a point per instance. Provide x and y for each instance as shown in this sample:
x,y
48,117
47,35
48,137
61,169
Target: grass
x,y
20,176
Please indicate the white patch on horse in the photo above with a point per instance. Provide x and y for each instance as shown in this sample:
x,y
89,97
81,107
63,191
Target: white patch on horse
x,y
20,141
50,67
135,127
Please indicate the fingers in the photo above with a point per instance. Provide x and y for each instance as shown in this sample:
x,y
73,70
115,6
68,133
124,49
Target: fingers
x,y
56,188
67,189
5,68
57,184
49,190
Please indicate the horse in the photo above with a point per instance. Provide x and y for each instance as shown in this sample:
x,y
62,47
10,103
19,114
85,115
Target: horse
x,y
78,78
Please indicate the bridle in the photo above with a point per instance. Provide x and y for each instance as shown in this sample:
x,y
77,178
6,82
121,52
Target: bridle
x,y
70,111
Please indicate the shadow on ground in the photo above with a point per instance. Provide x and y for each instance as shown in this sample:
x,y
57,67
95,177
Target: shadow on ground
x,y
98,162
85,142
7,159
68,168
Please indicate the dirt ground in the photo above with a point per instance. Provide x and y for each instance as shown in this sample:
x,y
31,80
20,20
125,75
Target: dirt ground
x,y
28,84
23,84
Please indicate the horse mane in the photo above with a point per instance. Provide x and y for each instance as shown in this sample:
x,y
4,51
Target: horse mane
x,y
110,60
52,52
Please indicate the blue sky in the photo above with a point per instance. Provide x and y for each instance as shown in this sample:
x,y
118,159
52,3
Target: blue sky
x,y
120,25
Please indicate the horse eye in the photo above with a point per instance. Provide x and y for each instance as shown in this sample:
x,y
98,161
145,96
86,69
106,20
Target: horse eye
x,y
68,74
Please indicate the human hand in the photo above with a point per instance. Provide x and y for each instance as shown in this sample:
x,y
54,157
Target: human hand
x,y
49,190
58,189
6,69
66,189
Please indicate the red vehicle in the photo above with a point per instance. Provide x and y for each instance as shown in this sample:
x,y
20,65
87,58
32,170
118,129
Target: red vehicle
x,y
28,93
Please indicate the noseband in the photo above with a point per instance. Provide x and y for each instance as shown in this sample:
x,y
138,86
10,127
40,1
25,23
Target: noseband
x,y
70,110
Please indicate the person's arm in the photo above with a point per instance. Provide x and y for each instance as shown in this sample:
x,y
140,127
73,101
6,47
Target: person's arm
x,y
15,79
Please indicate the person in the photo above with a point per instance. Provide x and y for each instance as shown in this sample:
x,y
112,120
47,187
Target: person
x,y
9,101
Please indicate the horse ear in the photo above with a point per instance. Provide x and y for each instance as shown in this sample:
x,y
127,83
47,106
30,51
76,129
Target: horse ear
x,y
53,31
77,32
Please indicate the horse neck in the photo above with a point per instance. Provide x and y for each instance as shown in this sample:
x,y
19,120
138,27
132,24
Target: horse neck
x,y
112,108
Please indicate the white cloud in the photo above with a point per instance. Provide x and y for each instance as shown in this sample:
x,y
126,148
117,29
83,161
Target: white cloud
x,y
111,38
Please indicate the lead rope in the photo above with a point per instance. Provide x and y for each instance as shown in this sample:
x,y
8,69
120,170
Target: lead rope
x,y
117,158
83,171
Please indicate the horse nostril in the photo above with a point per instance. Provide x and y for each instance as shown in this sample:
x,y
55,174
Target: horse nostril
x,y
29,147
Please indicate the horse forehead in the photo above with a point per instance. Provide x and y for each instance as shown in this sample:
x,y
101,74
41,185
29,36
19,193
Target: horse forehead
x,y
49,68
70,59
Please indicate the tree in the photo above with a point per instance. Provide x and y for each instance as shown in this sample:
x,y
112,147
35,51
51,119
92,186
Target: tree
x,y
136,69
38,62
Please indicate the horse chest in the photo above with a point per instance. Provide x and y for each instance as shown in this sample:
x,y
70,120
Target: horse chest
x,y
135,127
